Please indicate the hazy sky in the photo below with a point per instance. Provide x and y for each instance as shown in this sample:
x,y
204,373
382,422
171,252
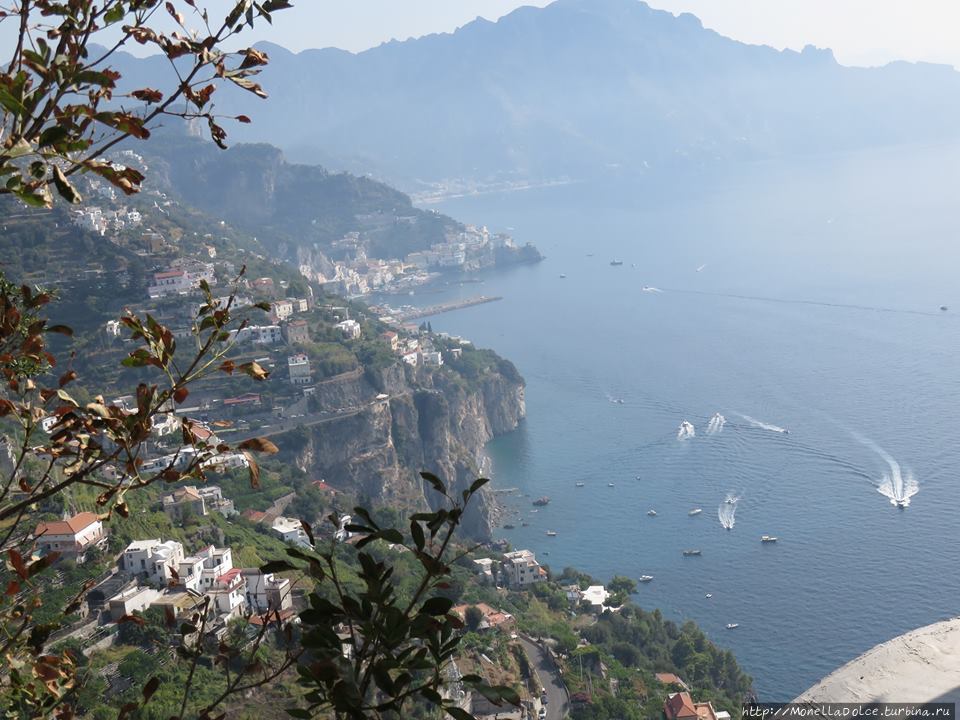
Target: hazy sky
x,y
859,31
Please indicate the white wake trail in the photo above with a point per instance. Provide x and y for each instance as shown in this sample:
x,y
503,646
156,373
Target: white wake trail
x,y
727,512
764,426
716,424
897,485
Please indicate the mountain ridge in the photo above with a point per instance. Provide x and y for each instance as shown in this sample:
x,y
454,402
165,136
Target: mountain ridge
x,y
573,89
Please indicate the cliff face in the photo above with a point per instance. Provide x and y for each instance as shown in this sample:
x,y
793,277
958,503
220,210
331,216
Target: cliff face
x,y
433,420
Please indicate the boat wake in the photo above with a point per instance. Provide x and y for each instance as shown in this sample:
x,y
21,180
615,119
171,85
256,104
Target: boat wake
x,y
650,289
727,512
764,426
897,485
716,424
686,431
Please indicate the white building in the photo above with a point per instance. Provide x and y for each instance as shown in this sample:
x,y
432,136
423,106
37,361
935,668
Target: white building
x,y
228,593
258,334
190,573
131,600
265,592
522,569
152,560
596,595
350,329
432,359
291,530
411,358
299,367
280,310
216,562
71,537
181,280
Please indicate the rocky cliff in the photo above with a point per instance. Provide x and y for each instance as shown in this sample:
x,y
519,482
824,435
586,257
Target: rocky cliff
x,y
432,419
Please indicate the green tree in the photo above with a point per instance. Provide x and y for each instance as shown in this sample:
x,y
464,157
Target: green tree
x,y
473,617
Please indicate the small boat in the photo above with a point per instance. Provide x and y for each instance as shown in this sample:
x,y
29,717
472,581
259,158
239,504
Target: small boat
x,y
638,477
616,263
580,484
730,501
901,503
562,275
541,501
524,524
609,484
944,308
768,539
695,511
652,513
508,526
551,533
709,595
691,553
646,578
534,510
731,626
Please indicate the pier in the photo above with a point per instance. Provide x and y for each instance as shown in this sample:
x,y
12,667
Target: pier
x,y
416,313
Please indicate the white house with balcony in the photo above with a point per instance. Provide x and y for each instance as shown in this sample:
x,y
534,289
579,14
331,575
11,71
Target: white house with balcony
x,y
228,593
265,592
299,367
291,531
153,560
216,562
522,569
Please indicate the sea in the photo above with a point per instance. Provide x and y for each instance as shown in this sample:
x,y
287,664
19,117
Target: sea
x,y
801,301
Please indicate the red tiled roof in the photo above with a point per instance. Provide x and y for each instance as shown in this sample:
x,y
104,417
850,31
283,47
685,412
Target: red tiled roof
x,y
254,515
679,705
669,679
169,274
70,526
228,576
321,485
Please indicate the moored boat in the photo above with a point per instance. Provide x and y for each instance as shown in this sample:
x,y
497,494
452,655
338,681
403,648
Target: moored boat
x,y
768,538
691,553
646,578
695,511
551,533
731,626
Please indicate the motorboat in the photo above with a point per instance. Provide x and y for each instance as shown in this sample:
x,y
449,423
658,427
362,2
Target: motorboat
x,y
609,484
768,539
616,263
551,533
695,511
709,595
901,503
944,308
731,626
691,553
652,513
730,501
508,526
562,275
580,484
646,578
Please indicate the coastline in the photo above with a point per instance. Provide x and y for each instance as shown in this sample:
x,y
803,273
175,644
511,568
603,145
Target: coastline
x,y
920,666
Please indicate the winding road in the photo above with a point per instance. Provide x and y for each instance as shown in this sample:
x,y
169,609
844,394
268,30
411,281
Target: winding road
x,y
550,680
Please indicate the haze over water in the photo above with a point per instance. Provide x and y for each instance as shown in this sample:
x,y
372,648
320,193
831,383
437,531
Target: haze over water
x,y
874,230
